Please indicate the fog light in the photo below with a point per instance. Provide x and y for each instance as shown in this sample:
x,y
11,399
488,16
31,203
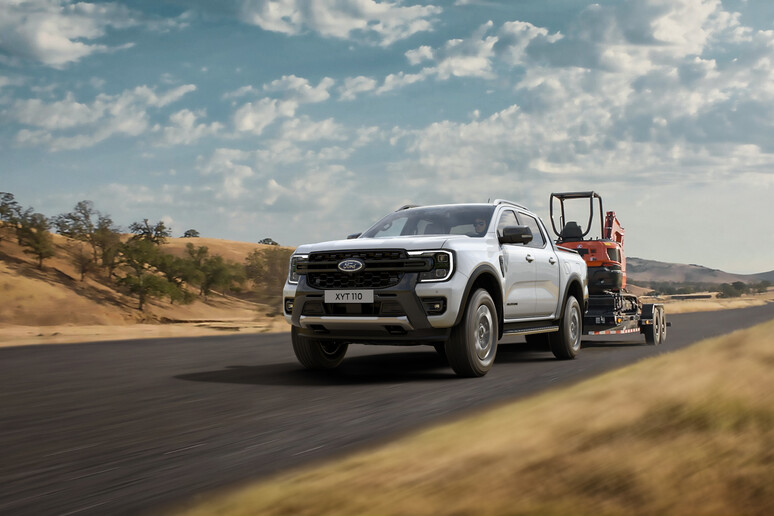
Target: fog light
x,y
434,305
289,302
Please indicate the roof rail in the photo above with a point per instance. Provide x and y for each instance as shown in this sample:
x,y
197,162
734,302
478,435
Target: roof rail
x,y
407,206
505,201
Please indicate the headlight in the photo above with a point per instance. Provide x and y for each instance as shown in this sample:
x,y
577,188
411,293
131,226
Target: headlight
x,y
293,268
441,265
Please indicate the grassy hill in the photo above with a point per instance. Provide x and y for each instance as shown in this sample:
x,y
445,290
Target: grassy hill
x,y
55,295
639,270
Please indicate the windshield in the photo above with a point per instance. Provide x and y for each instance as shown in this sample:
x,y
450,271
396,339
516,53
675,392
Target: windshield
x,y
472,220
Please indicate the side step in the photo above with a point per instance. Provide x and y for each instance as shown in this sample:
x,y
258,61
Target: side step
x,y
529,330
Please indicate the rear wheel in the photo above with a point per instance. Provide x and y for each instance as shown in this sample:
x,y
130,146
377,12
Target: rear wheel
x,y
317,354
654,333
566,343
472,346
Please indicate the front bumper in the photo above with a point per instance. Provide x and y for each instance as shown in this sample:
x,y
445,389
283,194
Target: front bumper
x,y
397,315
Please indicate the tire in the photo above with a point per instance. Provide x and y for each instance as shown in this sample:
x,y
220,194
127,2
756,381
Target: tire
x,y
316,354
663,325
654,332
566,343
440,348
472,346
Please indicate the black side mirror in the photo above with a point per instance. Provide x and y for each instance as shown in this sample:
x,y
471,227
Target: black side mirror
x,y
353,235
515,235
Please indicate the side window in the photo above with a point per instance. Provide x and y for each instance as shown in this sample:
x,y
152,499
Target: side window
x,y
537,236
508,218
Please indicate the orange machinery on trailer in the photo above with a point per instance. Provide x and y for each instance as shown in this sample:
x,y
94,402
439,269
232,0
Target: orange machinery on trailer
x,y
612,310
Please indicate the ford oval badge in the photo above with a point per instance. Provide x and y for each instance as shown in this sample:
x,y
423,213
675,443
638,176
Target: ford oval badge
x,y
351,265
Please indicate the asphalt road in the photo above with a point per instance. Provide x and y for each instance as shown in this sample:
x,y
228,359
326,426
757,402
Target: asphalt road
x,y
129,427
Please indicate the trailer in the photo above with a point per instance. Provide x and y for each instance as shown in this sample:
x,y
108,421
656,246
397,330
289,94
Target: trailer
x,y
612,310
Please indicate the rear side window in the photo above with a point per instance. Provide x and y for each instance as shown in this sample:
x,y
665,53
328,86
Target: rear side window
x,y
537,235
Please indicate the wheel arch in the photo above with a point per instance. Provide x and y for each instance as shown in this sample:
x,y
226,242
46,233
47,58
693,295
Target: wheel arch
x,y
484,276
575,289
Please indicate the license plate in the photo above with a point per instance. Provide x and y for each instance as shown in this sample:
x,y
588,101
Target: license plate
x,y
349,296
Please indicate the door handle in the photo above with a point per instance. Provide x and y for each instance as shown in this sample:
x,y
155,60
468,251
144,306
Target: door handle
x,y
552,260
530,259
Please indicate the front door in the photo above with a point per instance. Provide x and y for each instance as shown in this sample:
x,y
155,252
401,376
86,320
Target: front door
x,y
519,270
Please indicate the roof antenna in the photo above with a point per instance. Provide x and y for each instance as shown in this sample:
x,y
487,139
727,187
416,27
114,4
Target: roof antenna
x,y
489,200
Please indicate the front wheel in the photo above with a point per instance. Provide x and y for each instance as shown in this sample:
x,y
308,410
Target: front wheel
x,y
566,343
472,345
317,354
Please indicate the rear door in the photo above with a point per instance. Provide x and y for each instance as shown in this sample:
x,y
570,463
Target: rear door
x,y
519,271
546,268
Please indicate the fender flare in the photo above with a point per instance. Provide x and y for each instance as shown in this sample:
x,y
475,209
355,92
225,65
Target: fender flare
x,y
584,302
484,268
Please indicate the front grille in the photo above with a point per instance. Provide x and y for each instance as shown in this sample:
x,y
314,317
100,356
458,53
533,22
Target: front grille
x,y
342,280
382,269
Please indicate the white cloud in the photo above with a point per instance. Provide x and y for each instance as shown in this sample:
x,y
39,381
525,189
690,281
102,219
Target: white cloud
x,y
184,130
62,114
254,117
105,116
355,85
384,21
398,80
305,130
57,32
239,92
300,90
416,56
229,165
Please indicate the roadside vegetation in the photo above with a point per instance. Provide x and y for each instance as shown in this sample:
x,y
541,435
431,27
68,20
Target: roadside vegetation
x,y
690,432
137,262
723,290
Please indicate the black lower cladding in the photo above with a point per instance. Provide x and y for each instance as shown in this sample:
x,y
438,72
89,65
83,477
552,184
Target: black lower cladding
x,y
398,301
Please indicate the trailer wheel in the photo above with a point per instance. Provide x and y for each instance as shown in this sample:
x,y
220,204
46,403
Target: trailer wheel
x,y
654,332
472,346
317,354
566,343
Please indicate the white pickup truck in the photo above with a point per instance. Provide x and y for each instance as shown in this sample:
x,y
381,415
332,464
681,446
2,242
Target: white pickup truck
x,y
458,277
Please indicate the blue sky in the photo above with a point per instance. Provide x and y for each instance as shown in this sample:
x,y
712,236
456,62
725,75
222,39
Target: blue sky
x,y
309,120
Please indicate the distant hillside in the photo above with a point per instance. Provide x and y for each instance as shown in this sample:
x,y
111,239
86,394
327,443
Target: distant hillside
x,y
55,295
639,270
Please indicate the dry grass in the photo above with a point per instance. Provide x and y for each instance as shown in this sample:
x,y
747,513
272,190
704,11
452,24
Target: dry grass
x,y
687,433
675,306
52,305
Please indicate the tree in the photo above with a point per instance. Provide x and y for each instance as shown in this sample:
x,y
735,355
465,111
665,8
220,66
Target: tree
x,y
218,273
33,232
9,212
157,233
88,225
197,254
82,259
178,272
268,269
108,239
139,256
191,233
